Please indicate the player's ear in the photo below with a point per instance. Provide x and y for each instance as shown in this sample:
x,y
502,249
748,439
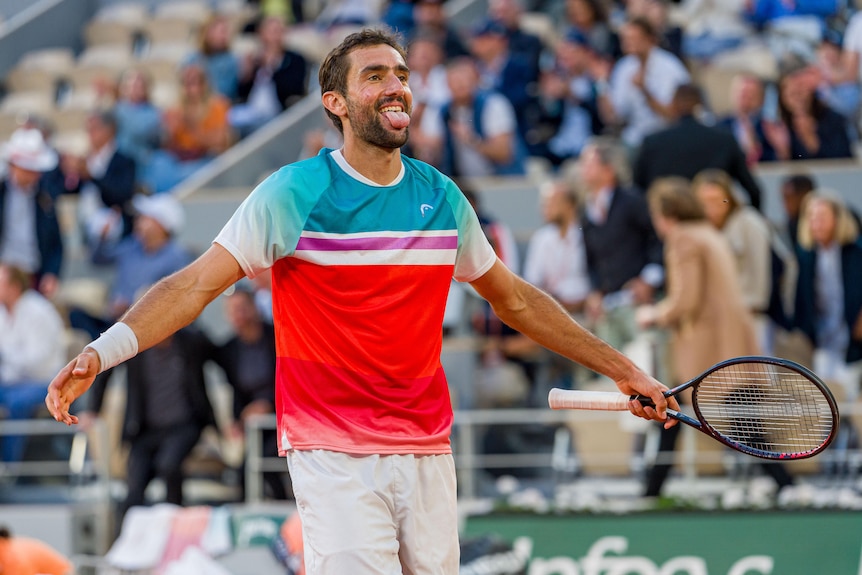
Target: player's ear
x,y
335,103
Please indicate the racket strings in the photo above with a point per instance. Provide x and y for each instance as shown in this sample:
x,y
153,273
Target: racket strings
x,y
765,407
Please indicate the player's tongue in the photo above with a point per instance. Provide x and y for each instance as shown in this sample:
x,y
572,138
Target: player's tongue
x,y
397,120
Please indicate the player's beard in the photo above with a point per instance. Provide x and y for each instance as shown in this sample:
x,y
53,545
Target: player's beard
x,y
368,126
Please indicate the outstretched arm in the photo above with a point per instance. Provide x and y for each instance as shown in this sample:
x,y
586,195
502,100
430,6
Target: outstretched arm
x,y
535,314
168,306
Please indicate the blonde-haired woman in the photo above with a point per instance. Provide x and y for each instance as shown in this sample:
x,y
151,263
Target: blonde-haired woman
x,y
828,306
749,236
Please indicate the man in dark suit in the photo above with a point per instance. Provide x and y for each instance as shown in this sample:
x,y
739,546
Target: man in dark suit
x,y
167,409
104,180
30,235
248,359
747,121
688,146
624,254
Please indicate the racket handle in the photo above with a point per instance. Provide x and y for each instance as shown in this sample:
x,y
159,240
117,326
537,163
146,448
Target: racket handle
x,y
593,400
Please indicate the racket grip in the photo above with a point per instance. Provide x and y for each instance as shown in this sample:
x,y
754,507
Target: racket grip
x,y
593,400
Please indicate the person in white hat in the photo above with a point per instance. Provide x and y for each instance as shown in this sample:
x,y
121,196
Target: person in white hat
x,y
148,254
30,235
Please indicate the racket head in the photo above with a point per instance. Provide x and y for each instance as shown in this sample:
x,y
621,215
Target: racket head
x,y
768,407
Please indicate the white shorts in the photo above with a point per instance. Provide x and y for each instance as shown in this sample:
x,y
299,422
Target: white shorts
x,y
376,514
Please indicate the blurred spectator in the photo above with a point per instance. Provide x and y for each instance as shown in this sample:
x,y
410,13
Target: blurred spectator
x,y
32,350
703,308
642,84
398,15
315,140
430,15
290,11
523,44
215,56
839,91
624,255
792,27
746,121
749,236
272,80
852,44
348,13
104,180
30,235
427,82
167,409
668,35
427,74
500,70
195,131
828,306
713,27
476,133
807,127
139,121
794,188
556,258
590,19
28,556
688,146
556,261
150,253
567,113
248,359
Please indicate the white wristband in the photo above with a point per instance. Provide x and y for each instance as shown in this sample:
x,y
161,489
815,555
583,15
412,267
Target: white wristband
x,y
115,346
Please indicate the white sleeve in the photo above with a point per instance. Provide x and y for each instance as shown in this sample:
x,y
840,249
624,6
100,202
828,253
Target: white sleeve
x,y
498,116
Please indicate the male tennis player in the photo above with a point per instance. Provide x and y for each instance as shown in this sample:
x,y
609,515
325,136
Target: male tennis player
x,y
362,243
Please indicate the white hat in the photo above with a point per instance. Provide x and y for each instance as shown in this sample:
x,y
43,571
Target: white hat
x,y
27,149
163,208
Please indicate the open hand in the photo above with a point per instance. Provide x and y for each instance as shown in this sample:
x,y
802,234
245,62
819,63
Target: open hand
x,y
70,384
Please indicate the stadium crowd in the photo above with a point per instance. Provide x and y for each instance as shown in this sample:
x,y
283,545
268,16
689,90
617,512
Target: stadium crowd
x,y
606,99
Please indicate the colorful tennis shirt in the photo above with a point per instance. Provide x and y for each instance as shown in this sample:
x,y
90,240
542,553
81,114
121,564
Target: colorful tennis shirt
x,y
360,276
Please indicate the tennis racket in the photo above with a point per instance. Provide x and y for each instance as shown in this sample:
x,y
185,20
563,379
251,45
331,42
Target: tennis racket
x,y
767,407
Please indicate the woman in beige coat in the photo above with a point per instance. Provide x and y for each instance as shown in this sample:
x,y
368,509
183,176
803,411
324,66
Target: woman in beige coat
x,y
704,308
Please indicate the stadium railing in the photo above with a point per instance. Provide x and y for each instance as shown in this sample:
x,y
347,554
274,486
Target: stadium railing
x,y
572,458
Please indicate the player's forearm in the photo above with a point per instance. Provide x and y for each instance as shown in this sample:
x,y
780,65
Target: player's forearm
x,y
172,304
545,321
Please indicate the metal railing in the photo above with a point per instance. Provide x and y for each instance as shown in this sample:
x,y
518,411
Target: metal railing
x,y
80,461
562,460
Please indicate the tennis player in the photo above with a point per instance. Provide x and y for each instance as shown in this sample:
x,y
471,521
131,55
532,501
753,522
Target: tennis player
x,y
362,243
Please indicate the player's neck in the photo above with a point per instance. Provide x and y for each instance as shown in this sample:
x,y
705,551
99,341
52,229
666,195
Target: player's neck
x,y
380,165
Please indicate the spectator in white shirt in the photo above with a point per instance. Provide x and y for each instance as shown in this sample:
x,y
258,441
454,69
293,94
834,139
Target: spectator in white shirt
x,y
31,350
428,83
556,258
476,133
642,84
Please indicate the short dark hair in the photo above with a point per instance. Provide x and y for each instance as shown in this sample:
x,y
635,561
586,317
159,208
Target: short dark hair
x,y
687,98
645,26
799,184
332,75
